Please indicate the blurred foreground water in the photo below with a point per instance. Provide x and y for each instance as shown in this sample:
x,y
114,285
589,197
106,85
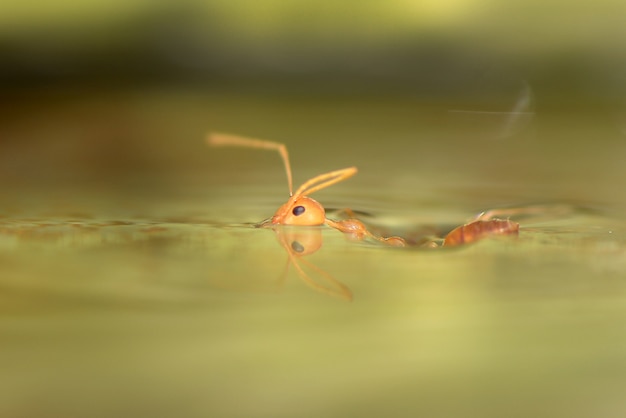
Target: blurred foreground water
x,y
134,283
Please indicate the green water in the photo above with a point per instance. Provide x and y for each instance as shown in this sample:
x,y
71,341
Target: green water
x,y
134,283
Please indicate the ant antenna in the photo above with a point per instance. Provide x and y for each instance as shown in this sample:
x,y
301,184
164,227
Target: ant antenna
x,y
220,139
324,180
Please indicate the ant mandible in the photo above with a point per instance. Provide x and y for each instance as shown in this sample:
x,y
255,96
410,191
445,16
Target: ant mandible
x,y
302,210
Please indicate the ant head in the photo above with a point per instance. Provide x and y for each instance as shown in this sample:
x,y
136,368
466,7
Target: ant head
x,y
300,210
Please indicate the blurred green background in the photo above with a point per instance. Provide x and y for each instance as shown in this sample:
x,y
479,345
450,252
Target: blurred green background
x,y
450,47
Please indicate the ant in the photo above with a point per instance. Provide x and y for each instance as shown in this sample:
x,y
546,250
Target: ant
x,y
301,210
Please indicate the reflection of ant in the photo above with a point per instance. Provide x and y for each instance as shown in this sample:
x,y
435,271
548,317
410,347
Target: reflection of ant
x,y
301,243
302,210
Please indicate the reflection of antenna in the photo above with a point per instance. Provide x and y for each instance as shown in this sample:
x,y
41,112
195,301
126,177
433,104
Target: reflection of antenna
x,y
302,244
219,139
333,288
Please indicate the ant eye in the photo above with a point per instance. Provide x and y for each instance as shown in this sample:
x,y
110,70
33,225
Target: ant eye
x,y
297,247
298,210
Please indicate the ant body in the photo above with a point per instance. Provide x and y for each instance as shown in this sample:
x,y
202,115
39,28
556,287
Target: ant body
x,y
302,210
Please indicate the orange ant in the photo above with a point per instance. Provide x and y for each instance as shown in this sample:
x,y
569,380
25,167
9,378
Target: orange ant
x,y
302,210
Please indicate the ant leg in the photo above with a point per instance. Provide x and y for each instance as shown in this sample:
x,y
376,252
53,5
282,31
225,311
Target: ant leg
x,y
528,211
347,213
357,230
